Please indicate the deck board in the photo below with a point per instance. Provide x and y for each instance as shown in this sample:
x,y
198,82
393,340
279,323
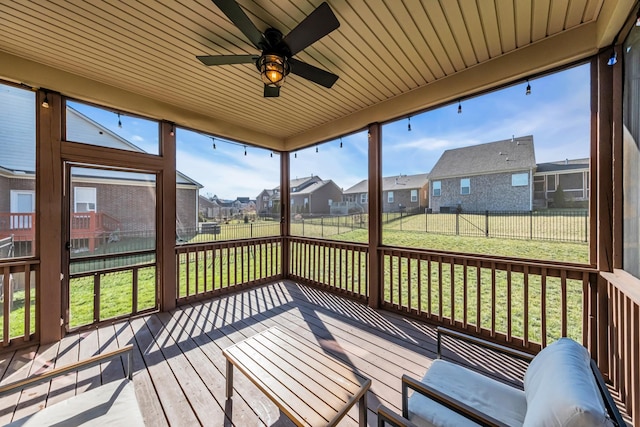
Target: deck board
x,y
179,369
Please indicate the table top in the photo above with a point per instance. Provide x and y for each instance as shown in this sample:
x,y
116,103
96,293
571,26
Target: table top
x,y
309,386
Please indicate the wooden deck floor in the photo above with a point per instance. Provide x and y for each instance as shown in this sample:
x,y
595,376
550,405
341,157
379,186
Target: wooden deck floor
x,y
179,369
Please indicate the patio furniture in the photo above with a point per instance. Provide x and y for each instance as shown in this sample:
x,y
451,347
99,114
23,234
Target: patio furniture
x,y
310,387
113,403
562,387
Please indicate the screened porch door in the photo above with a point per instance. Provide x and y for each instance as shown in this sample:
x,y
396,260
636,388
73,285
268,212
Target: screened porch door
x,y
111,244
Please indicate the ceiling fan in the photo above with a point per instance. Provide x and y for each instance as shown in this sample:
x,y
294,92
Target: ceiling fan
x,y
276,60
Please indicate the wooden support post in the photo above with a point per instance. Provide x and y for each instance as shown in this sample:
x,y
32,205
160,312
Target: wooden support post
x,y
375,225
285,214
166,211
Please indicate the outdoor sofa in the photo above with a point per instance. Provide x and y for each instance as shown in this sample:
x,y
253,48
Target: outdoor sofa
x,y
562,387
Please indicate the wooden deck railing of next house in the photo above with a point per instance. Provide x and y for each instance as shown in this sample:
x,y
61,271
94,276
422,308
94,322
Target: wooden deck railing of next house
x,y
339,266
524,304
208,269
18,293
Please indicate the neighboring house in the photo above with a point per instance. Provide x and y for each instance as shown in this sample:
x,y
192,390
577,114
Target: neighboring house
x,y
105,204
495,176
309,195
571,176
268,202
208,208
399,193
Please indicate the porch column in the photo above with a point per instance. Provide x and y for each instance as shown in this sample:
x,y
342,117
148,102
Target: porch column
x,y
285,213
166,211
49,241
375,227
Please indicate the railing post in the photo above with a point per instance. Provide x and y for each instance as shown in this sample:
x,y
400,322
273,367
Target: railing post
x,y
586,225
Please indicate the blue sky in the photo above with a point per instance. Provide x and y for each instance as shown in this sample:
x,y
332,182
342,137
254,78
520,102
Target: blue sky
x,y
557,114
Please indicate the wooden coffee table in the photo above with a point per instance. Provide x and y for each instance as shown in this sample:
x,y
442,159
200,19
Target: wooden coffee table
x,y
309,386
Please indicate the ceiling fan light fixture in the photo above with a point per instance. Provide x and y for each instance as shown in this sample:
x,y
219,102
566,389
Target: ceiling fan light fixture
x,y
273,69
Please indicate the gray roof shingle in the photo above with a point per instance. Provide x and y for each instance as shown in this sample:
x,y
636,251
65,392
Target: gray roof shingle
x,y
511,154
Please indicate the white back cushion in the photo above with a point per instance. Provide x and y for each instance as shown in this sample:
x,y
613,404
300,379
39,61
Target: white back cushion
x,y
561,390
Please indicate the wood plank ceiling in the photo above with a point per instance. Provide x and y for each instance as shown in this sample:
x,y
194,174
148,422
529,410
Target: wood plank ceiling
x,y
139,56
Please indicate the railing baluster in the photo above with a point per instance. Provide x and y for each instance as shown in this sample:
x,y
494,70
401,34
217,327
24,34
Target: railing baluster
x,y
509,299
525,307
465,294
543,307
478,298
493,299
27,301
563,302
452,295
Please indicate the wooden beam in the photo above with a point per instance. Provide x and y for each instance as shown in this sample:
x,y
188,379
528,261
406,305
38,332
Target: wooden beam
x,y
49,240
285,213
375,224
166,221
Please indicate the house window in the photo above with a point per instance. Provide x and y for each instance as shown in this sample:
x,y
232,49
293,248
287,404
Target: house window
x,y
390,197
414,195
22,201
330,202
465,186
437,188
551,183
519,179
363,198
85,199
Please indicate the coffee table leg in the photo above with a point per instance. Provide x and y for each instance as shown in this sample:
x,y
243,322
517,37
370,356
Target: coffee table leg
x,y
363,410
229,379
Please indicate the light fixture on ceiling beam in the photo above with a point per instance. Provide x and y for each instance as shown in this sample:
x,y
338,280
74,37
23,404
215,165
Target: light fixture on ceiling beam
x,y
45,102
613,59
459,107
528,89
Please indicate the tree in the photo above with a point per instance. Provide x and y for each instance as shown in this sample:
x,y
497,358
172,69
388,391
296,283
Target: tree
x,y
559,199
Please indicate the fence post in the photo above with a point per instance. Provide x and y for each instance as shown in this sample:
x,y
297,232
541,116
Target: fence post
x,y
586,225
321,226
457,223
426,216
251,230
486,223
303,226
530,225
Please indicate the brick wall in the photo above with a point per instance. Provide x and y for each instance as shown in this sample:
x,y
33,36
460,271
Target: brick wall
x,y
492,192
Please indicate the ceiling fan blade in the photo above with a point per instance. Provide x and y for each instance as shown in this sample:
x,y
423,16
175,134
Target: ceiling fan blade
x,y
310,72
234,12
314,27
271,91
227,59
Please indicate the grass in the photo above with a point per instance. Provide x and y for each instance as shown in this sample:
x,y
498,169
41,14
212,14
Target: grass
x,y
211,271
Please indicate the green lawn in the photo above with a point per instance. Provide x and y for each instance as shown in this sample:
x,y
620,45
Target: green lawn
x,y
243,265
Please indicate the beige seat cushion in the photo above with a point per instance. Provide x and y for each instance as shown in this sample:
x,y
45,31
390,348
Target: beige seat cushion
x,y
561,389
503,402
112,404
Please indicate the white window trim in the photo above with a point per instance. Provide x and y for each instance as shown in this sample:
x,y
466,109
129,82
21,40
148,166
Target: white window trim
x,y
76,201
414,195
389,196
437,185
363,198
465,186
21,221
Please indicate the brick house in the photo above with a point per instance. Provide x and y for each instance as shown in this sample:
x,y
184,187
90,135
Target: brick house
x,y
102,202
495,176
309,195
399,193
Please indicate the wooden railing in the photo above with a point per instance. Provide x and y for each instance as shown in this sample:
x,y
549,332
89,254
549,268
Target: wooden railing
x,y
18,287
523,304
342,267
208,269
623,339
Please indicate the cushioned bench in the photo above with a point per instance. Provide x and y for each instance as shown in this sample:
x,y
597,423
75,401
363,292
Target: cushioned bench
x,y
113,403
562,387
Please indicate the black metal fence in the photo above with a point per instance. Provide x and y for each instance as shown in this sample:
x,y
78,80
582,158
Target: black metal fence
x,y
553,225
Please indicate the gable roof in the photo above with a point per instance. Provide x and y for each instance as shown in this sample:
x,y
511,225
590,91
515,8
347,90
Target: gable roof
x,y
391,183
575,164
17,138
313,187
513,154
